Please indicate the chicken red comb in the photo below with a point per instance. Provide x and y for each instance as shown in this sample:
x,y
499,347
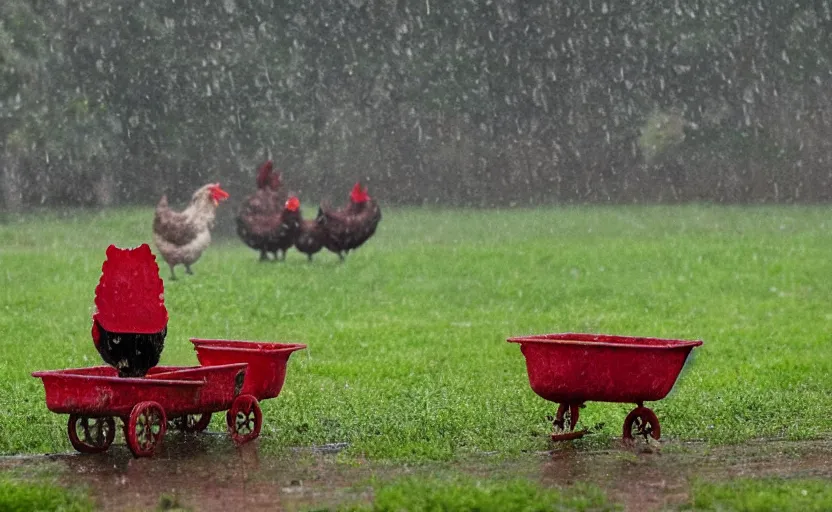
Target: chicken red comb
x,y
129,297
264,173
217,193
293,204
359,195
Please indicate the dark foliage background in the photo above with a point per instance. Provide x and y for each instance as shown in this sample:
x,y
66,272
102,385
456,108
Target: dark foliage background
x,y
459,102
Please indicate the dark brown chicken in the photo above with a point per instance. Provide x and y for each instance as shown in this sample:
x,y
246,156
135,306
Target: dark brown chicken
x,y
273,232
348,228
253,220
310,238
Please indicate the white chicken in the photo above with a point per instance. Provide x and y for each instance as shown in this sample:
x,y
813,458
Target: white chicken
x,y
181,237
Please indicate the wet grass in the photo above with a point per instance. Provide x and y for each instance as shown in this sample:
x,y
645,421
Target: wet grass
x,y
23,496
741,495
464,494
407,357
765,495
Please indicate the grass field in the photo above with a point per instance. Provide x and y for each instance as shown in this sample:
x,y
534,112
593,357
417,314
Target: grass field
x,y
407,358
771,494
22,496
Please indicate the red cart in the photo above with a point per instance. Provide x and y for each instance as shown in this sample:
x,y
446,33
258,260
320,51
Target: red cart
x,y
266,366
94,397
571,369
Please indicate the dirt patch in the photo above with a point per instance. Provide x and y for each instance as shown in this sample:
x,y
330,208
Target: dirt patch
x,y
207,473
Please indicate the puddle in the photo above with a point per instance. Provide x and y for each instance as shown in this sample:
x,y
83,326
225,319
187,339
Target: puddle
x,y
655,479
207,473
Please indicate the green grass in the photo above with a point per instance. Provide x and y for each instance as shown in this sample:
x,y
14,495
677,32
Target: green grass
x,y
765,495
20,496
465,494
407,357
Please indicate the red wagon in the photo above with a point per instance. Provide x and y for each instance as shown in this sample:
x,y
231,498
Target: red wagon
x,y
266,366
571,369
94,397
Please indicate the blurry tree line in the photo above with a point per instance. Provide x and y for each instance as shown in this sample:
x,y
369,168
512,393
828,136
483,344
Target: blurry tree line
x,y
459,102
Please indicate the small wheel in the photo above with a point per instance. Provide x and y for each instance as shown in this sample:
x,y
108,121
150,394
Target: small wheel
x,y
245,419
91,435
641,422
145,428
193,422
567,417
565,422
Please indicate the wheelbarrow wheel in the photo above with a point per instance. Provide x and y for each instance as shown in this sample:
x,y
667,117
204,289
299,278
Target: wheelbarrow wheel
x,y
643,423
91,434
192,423
565,422
145,428
244,419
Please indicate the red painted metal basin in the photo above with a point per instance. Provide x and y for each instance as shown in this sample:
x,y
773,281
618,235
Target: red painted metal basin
x,y
266,362
98,391
572,368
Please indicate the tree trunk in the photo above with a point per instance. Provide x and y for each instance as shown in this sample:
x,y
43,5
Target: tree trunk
x,y
11,181
105,189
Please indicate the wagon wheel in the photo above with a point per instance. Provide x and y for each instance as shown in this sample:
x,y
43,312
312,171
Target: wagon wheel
x,y
244,419
567,417
145,428
91,435
565,421
641,422
193,422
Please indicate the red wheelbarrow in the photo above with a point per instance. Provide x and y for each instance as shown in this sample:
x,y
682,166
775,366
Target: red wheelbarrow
x,y
571,369
94,397
266,366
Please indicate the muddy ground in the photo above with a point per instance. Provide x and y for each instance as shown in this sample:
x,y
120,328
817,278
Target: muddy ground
x,y
208,473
